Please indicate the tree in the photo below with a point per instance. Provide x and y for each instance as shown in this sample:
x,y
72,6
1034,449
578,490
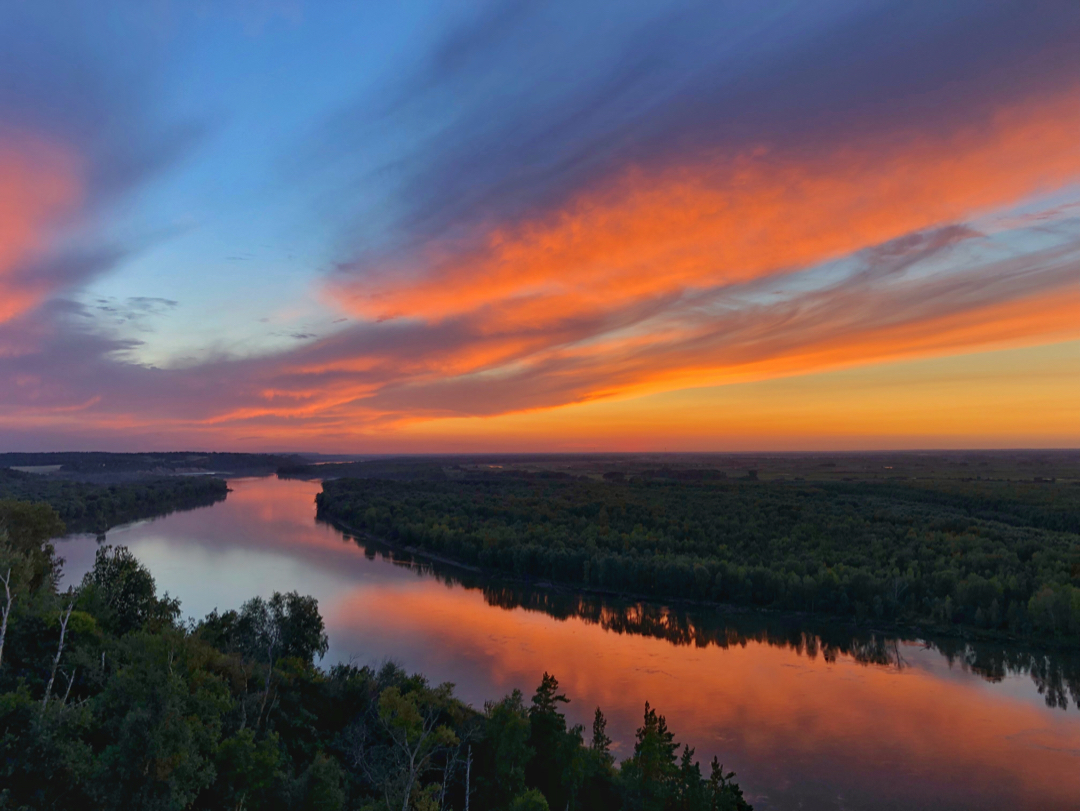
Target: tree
x,y
161,718
322,782
503,753
65,617
26,528
415,724
531,800
551,744
724,792
599,791
601,743
121,593
286,626
690,790
246,770
649,775
10,593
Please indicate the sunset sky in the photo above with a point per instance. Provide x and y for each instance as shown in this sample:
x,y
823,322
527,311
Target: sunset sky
x,y
498,226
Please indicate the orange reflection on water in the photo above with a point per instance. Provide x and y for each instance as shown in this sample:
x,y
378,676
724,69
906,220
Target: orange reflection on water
x,y
785,721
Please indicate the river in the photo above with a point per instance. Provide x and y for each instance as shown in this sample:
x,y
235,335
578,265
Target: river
x,y
809,717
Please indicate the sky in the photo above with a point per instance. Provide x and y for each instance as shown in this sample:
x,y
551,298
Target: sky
x,y
517,226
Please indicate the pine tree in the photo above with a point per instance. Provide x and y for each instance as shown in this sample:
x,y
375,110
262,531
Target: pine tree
x,y
601,743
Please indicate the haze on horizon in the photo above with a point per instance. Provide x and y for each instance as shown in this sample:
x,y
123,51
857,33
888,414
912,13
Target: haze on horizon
x,y
512,226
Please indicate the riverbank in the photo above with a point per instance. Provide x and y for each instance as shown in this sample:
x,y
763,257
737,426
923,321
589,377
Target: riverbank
x,y
912,631
899,557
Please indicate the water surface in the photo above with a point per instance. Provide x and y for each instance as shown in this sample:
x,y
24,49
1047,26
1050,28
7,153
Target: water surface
x,y
809,716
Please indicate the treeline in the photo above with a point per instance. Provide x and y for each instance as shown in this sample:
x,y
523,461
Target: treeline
x,y
1056,677
390,469
1055,673
109,701
95,462
1000,556
86,507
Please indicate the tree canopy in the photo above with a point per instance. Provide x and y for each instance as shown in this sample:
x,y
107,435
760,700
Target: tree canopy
x,y
997,556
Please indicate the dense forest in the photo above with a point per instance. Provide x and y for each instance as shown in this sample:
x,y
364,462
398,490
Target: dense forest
x,y
87,507
109,701
994,555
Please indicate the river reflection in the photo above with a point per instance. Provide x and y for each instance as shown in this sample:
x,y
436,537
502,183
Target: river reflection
x,y
809,716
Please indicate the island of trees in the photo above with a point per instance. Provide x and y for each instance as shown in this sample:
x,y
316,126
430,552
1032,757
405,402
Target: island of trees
x,y
108,700
88,507
998,556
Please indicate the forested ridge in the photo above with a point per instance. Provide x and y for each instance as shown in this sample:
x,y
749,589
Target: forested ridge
x,y
994,555
109,701
87,507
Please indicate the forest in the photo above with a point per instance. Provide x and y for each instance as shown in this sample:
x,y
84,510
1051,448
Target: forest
x,y
88,507
108,700
993,556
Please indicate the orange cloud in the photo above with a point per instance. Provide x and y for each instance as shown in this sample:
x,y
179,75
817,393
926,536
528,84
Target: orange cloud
x,y
39,183
715,220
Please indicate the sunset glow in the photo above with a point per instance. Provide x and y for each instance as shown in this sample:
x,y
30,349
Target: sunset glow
x,y
469,240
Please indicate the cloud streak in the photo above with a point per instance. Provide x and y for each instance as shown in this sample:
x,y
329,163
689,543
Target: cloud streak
x,y
719,220
40,184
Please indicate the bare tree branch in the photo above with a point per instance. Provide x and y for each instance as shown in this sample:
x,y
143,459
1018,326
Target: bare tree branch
x,y
71,681
59,652
6,612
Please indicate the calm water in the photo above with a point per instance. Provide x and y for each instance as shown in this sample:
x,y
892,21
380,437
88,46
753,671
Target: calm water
x,y
808,717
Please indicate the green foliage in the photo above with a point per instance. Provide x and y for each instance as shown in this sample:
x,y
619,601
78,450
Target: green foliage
x,y
993,555
531,800
247,770
160,718
600,743
723,792
659,778
504,752
26,529
323,783
559,774
120,592
649,777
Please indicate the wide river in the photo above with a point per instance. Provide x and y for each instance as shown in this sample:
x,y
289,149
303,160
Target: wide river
x,y
808,717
